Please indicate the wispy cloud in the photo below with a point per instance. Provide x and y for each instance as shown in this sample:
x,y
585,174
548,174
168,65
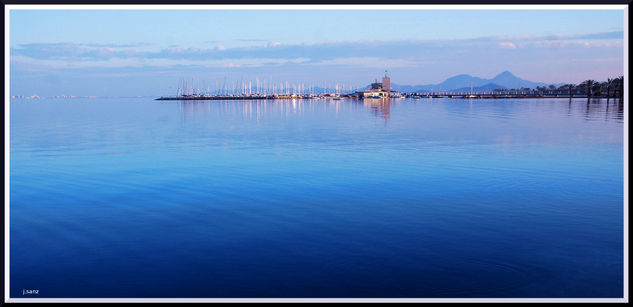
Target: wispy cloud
x,y
321,52
509,45
133,62
373,62
599,35
248,40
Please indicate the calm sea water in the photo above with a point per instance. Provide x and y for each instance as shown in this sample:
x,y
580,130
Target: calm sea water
x,y
408,198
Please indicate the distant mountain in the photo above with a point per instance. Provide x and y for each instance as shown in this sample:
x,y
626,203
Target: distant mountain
x,y
483,88
509,80
462,82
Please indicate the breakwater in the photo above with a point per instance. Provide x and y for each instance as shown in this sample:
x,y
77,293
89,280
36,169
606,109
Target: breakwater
x,y
341,97
255,97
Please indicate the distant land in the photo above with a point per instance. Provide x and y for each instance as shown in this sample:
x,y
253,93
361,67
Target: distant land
x,y
504,80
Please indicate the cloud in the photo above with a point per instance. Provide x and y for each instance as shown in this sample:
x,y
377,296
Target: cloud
x,y
576,43
599,35
135,62
406,54
373,62
509,45
248,40
603,35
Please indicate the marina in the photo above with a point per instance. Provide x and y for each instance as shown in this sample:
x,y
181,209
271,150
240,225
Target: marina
x,y
383,90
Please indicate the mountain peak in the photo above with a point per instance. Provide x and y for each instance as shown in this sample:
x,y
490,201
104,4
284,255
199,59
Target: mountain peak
x,y
506,73
505,79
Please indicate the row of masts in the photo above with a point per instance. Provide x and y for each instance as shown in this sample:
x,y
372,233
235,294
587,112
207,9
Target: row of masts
x,y
257,87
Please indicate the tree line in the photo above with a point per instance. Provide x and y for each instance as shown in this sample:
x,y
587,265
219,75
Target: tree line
x,y
612,88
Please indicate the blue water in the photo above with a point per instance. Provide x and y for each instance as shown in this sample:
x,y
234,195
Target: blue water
x,y
409,198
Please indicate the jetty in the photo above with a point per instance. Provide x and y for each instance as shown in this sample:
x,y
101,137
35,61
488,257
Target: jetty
x,y
257,97
357,96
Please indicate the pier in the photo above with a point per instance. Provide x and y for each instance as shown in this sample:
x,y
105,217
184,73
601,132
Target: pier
x,y
355,96
257,97
490,96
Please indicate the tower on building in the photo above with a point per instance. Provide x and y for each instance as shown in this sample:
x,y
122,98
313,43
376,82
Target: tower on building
x,y
386,83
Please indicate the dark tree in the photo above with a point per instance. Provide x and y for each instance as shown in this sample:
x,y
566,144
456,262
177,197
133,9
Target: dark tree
x,y
597,89
571,90
620,87
552,88
588,85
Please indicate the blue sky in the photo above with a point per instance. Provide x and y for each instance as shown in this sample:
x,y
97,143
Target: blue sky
x,y
146,52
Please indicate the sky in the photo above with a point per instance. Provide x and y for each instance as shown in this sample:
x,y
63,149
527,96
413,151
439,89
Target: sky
x,y
147,52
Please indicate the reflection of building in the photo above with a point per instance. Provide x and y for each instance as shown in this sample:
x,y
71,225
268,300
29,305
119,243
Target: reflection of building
x,y
377,90
380,108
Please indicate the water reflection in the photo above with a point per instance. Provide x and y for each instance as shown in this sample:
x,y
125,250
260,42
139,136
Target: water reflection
x,y
246,109
249,109
379,107
595,108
